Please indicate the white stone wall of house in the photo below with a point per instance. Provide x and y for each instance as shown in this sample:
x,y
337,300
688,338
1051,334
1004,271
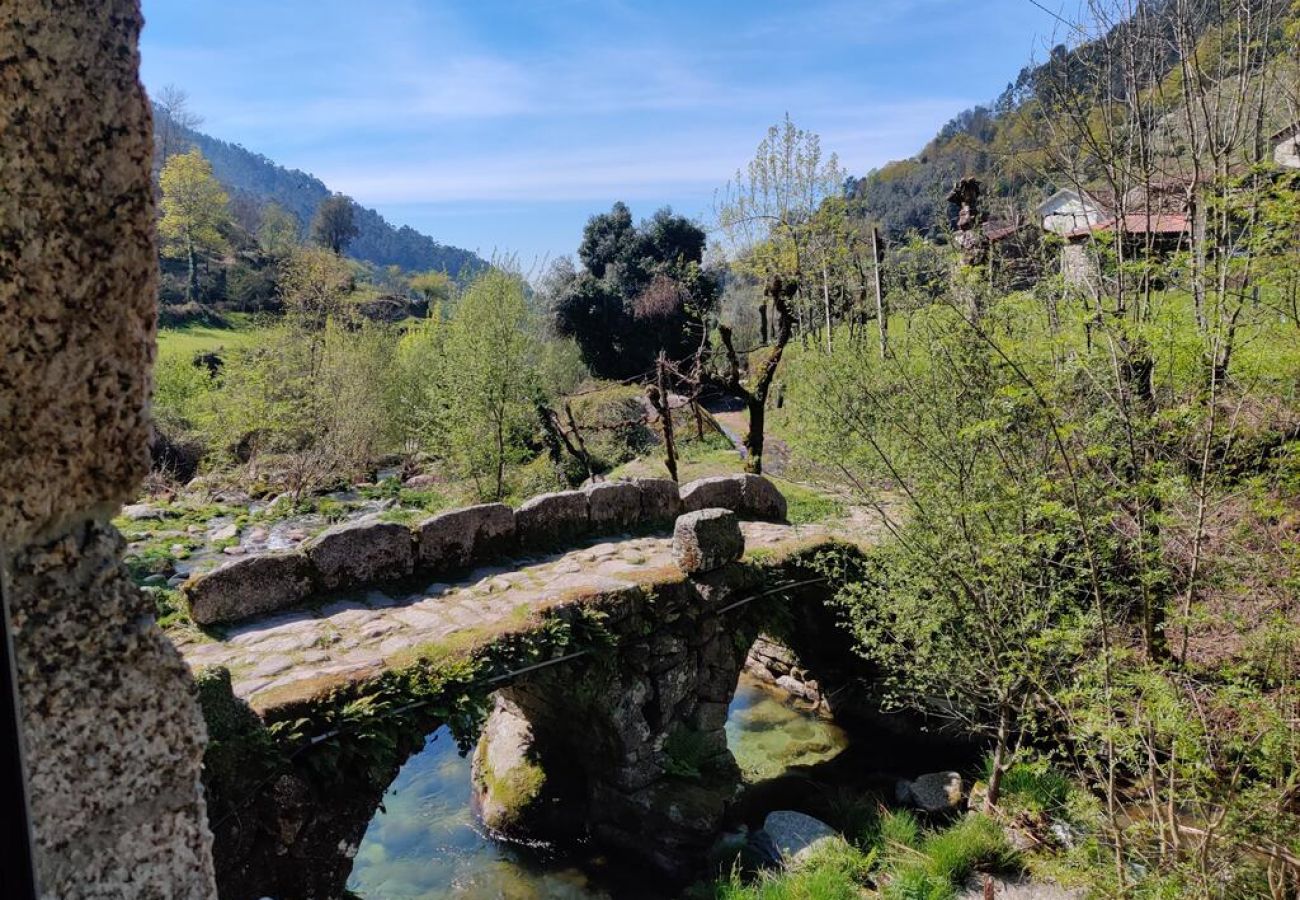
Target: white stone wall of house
x,y
1287,153
113,736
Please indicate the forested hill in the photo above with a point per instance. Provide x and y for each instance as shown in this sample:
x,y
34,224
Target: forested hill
x,y
253,181
1002,143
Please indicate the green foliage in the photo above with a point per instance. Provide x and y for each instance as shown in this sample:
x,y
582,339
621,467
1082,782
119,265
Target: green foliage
x,y
1035,786
806,506
335,223
195,213
643,289
689,754
834,871
490,363
279,233
194,207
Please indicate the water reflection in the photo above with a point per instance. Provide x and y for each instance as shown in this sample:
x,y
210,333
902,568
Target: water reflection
x,y
424,843
768,735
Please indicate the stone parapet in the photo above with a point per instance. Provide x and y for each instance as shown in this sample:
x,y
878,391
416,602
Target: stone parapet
x,y
370,552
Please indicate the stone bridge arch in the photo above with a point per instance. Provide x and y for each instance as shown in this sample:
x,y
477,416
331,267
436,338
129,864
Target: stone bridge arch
x,y
633,703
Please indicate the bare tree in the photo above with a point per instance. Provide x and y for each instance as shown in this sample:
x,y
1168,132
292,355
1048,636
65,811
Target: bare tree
x,y
176,118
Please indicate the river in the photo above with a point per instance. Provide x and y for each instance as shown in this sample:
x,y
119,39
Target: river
x,y
424,843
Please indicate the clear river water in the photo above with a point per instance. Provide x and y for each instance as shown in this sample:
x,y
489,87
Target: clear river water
x,y
424,843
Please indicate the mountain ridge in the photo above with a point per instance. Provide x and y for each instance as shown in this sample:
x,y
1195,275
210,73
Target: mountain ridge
x,y
255,178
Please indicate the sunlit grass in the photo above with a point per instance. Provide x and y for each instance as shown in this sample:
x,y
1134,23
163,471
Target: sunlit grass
x,y
243,330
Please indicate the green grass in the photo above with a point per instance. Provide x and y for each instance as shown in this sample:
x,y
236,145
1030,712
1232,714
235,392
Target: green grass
x,y
1034,787
946,859
834,871
806,506
893,853
187,340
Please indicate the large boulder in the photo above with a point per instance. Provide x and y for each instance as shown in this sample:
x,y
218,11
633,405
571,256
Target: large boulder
x,y
613,506
552,520
461,537
718,492
760,499
796,835
661,499
363,552
247,587
707,540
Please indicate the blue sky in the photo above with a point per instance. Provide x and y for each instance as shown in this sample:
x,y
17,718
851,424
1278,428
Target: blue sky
x,y
500,126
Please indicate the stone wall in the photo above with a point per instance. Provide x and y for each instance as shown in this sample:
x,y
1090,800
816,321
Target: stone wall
x,y
359,554
113,736
776,664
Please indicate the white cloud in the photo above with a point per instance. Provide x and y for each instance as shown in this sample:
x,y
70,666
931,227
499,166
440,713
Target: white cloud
x,y
683,159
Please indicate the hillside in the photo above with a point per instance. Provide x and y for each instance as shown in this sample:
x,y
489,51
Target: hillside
x,y
1004,143
253,179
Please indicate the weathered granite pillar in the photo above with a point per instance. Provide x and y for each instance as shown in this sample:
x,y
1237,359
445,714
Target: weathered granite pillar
x,y
113,736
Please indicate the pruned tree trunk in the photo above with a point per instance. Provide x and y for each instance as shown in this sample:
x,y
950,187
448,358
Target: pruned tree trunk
x,y
781,291
660,401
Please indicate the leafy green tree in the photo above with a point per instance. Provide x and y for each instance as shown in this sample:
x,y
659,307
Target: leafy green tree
x,y
490,363
419,402
437,289
314,284
335,223
643,289
195,210
279,233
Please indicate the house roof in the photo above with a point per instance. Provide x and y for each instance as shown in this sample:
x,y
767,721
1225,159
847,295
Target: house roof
x,y
1065,193
1292,130
1139,223
999,231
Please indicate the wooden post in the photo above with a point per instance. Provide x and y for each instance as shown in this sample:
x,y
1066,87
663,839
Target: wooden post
x,y
882,311
665,416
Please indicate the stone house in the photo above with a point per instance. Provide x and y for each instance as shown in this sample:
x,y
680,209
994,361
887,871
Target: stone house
x,y
1155,217
1286,146
1069,210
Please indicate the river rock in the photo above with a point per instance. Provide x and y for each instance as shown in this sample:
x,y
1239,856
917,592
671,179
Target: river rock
x,y
552,520
718,492
797,835
247,587
460,537
227,533
613,505
421,482
760,499
358,553
507,781
933,791
137,512
661,499
707,540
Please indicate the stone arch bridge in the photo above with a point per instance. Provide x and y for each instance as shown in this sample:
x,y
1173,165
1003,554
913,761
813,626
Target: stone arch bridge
x,y
608,668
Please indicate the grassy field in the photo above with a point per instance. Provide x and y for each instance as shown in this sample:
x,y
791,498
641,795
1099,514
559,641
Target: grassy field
x,y
187,340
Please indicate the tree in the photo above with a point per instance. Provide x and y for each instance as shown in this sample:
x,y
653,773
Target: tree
x,y
769,217
174,120
195,209
436,288
279,233
490,360
314,283
643,289
335,224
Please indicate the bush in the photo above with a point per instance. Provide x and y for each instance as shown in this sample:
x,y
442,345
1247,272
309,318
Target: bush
x,y
945,859
1034,786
